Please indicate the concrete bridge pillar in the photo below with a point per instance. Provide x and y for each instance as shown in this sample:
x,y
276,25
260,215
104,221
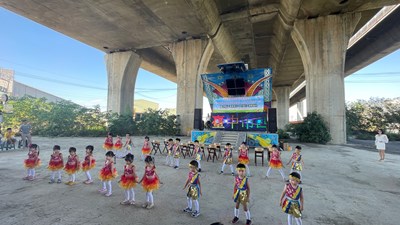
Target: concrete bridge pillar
x,y
322,43
191,59
122,68
282,109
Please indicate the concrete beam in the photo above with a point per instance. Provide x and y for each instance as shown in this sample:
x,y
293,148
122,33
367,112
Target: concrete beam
x,y
122,68
322,43
207,13
282,94
191,59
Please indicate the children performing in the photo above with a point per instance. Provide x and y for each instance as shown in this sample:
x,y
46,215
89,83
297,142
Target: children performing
x,y
198,153
118,147
56,164
177,152
128,144
88,164
32,162
244,156
194,190
107,174
128,180
169,160
275,162
228,158
292,200
146,148
241,193
297,161
108,142
72,166
149,181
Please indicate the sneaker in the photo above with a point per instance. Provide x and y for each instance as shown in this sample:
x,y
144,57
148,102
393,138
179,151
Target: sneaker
x,y
125,202
103,190
88,182
195,214
26,178
68,182
233,174
221,172
71,183
51,181
150,206
145,205
108,194
248,222
175,167
199,169
132,202
31,178
58,181
188,210
235,219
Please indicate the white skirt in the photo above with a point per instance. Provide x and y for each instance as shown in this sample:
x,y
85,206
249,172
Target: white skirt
x,y
380,146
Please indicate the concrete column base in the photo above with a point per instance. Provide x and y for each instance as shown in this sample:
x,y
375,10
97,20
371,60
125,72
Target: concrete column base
x,y
122,68
322,43
282,110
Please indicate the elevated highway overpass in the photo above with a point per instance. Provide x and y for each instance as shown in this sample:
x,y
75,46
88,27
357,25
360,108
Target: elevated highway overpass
x,y
180,39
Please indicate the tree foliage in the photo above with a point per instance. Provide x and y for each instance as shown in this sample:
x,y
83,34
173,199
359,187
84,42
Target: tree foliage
x,y
313,129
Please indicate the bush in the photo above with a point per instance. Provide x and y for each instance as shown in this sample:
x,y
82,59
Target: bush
x,y
365,136
282,134
313,129
393,136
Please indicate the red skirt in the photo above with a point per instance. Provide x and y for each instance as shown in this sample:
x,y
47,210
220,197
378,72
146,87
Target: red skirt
x,y
146,151
106,174
85,165
150,184
127,182
118,146
275,164
244,160
32,163
54,166
71,169
108,146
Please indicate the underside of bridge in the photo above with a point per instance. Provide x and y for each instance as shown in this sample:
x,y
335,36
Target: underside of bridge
x,y
273,33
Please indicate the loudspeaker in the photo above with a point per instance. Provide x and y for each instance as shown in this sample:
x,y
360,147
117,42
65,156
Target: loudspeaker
x,y
235,86
198,122
272,123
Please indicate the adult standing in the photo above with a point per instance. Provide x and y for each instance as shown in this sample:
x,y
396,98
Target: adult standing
x,y
380,141
25,131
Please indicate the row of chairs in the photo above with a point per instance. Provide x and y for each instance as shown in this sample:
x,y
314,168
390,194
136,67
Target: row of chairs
x,y
214,150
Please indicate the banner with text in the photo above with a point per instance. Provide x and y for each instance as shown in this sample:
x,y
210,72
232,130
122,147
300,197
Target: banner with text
x,y
239,104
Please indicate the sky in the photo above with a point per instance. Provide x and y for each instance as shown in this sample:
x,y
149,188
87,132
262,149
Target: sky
x,y
52,62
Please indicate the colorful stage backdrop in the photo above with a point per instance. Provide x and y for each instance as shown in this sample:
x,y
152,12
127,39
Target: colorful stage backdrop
x,y
262,140
205,137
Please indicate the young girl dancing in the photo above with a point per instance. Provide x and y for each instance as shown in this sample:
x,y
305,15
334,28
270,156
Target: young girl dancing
x,y
56,164
149,181
292,199
146,148
128,180
244,157
228,159
275,162
118,147
88,164
241,193
198,153
72,166
128,144
169,160
108,142
177,152
194,191
107,174
297,161
32,162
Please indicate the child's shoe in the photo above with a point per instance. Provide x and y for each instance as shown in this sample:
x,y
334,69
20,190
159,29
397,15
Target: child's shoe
x,y
221,172
145,205
103,190
233,174
235,219
71,183
199,169
132,202
59,181
125,202
31,178
248,222
88,182
187,210
68,182
150,206
51,181
108,194
195,214
25,178
176,167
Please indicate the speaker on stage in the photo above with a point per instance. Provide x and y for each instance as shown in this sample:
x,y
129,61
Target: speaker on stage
x,y
272,123
198,122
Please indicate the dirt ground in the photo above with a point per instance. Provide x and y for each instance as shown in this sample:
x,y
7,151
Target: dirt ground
x,y
342,186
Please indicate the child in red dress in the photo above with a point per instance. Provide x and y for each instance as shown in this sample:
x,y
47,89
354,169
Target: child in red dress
x,y
118,147
108,142
107,174
88,164
72,166
244,156
56,164
149,181
32,162
128,180
146,148
275,162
